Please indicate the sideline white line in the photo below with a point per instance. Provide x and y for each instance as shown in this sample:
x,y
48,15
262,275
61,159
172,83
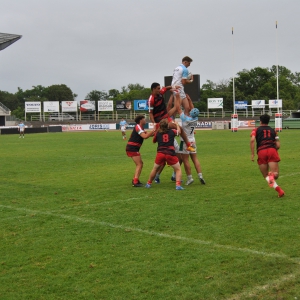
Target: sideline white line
x,y
289,175
154,233
99,203
271,284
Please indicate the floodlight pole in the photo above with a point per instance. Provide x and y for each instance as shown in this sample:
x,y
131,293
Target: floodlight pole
x,y
233,87
277,73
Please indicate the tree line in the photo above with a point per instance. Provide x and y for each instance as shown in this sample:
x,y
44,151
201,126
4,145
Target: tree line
x,y
255,84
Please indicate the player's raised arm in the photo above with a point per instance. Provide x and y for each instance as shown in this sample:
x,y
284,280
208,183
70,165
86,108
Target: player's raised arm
x,y
191,105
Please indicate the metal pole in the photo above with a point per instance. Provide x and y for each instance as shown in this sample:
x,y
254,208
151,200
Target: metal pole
x,y
277,75
233,87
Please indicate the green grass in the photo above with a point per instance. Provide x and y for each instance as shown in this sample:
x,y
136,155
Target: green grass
x,y
72,227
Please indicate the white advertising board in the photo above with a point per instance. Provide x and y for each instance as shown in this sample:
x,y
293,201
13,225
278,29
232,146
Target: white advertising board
x,y
258,103
275,103
214,102
51,106
105,105
69,106
33,107
86,127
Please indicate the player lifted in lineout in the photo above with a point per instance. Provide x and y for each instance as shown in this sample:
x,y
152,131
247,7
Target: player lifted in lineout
x,y
188,125
181,77
158,111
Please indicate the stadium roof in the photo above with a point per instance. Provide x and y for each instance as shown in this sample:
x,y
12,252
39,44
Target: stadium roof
x,y
7,39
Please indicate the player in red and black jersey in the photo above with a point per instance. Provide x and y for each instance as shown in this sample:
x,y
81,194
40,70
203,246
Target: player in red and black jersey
x,y
156,104
267,144
158,111
166,153
133,147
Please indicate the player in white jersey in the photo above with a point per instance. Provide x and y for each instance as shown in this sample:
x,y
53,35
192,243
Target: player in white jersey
x,y
188,125
180,78
21,128
123,124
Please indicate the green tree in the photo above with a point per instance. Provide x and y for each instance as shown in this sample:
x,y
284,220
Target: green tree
x,y
133,92
9,100
216,90
18,112
135,87
250,82
96,95
112,94
59,92
37,93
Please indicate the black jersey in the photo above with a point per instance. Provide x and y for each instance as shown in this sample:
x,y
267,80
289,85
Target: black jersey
x,y
265,137
158,107
166,142
135,141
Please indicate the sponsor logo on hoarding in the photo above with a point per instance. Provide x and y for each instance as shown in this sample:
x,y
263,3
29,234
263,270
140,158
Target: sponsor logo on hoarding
x,y
99,126
33,104
206,124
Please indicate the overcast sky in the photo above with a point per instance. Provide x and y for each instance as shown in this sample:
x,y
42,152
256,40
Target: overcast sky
x,y
106,44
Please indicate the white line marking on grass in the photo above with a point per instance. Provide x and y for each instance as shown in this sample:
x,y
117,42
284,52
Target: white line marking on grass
x,y
118,201
154,233
289,175
99,203
271,284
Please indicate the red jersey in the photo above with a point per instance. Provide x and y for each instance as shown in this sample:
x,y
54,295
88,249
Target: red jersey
x,y
166,142
157,106
265,137
135,141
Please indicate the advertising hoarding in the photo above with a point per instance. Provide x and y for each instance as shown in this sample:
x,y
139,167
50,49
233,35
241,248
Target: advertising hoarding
x,y
275,103
69,106
33,107
141,105
240,104
258,103
214,102
105,105
87,105
123,105
51,106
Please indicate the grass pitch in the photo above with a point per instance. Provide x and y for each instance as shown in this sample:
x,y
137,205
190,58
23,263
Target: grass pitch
x,y
72,227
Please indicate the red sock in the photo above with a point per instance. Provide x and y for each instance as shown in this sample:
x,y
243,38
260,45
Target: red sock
x,y
135,180
178,183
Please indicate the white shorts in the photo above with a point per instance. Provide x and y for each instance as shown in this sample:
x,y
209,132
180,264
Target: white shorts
x,y
181,93
22,130
182,148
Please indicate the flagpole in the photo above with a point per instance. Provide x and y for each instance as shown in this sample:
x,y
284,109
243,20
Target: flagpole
x,y
233,88
278,116
234,116
277,75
